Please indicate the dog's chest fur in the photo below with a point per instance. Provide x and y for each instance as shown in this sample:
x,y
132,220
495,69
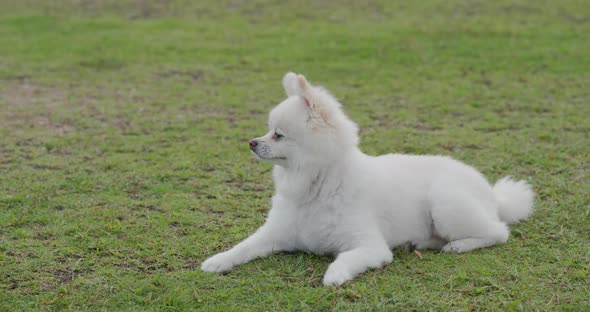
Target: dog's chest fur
x,y
318,228
318,205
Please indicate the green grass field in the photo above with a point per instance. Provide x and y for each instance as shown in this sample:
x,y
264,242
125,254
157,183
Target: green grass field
x,y
124,159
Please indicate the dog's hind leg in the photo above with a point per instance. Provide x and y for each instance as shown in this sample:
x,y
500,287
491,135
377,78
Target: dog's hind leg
x,y
466,222
468,244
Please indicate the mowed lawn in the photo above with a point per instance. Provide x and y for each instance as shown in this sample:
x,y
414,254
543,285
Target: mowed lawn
x,y
124,160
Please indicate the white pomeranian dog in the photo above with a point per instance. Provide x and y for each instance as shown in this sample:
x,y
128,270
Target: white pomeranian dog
x,y
332,199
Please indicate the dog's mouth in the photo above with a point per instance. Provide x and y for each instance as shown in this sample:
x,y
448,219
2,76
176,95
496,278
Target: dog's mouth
x,y
267,158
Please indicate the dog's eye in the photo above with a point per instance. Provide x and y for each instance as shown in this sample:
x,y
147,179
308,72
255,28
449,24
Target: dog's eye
x,y
277,136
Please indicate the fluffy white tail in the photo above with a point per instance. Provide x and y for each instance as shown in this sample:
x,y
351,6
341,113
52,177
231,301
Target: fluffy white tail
x,y
516,199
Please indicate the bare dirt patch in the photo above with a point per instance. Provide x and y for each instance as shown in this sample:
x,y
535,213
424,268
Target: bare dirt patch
x,y
195,75
24,95
29,105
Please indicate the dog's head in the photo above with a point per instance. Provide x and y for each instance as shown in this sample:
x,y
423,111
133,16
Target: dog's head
x,y
308,127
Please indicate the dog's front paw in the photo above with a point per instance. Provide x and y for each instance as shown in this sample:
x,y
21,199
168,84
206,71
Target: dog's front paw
x,y
219,263
337,274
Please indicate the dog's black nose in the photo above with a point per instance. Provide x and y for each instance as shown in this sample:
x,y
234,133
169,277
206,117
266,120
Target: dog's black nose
x,y
253,144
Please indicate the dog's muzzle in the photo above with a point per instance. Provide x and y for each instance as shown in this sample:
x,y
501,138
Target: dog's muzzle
x,y
253,144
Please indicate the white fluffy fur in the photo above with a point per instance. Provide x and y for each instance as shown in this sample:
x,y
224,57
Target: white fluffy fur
x,y
333,199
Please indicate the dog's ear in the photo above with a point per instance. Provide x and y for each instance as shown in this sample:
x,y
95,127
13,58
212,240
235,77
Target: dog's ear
x,y
290,84
297,85
306,91
319,113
